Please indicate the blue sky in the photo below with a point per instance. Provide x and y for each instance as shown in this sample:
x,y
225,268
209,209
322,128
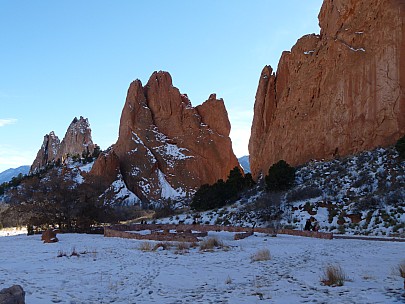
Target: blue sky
x,y
61,59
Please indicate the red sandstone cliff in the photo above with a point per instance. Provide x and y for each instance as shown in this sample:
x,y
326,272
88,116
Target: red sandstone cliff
x,y
76,141
166,147
336,93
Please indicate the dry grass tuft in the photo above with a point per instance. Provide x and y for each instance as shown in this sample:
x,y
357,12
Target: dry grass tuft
x,y
228,280
334,276
261,255
61,254
210,244
145,246
182,247
74,252
401,268
164,246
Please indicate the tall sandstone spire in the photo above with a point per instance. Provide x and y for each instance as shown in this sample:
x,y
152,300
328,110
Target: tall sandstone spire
x,y
336,93
47,153
166,147
76,141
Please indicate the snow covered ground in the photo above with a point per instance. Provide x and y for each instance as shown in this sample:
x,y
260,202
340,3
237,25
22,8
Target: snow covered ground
x,y
113,270
12,231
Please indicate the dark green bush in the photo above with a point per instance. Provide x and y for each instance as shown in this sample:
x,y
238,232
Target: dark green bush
x,y
219,194
281,177
400,146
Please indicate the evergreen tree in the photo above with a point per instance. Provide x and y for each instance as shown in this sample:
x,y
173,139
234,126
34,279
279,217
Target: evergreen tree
x,y
400,146
248,181
281,177
221,193
235,182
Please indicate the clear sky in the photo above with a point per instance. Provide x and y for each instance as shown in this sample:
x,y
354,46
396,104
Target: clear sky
x,y
61,59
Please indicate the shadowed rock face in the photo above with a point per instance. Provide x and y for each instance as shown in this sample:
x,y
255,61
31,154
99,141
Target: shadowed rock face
x,y
47,153
76,141
336,93
166,147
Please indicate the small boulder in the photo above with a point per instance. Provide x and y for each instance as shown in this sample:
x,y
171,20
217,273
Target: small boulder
x,y
49,236
12,295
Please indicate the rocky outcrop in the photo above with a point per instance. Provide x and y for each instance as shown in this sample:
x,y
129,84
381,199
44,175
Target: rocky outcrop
x,y
336,93
77,141
47,153
107,166
12,295
167,148
49,236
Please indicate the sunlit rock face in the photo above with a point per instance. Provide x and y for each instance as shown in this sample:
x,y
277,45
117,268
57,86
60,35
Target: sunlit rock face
x,y
77,141
336,93
166,147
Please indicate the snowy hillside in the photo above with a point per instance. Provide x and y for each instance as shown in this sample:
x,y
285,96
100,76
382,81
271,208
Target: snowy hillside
x,y
8,174
113,270
362,194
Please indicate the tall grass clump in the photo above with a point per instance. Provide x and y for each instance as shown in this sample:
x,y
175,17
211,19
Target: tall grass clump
x,y
401,268
210,244
333,276
261,255
145,246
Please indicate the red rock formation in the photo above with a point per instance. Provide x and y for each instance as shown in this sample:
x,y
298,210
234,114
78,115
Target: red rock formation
x,y
49,236
107,166
48,152
76,141
166,147
336,93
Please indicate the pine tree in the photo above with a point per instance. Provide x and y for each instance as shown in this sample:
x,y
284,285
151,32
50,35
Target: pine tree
x,y
281,177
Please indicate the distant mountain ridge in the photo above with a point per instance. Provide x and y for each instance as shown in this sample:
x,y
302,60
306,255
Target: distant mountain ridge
x,y
8,174
244,163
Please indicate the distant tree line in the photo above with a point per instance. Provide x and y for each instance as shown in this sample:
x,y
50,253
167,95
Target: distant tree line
x,y
14,182
85,158
57,200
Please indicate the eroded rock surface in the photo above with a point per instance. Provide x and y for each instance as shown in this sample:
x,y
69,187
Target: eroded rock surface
x,y
77,141
336,93
166,147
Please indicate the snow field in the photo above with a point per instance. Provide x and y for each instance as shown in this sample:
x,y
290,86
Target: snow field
x,y
113,270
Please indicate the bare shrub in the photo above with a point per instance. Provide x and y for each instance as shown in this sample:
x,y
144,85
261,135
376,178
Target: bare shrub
x,y
267,207
261,255
164,246
210,244
61,254
333,276
145,246
182,247
74,252
228,280
304,193
165,209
